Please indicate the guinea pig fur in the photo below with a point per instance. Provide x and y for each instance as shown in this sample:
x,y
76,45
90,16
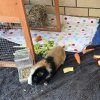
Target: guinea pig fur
x,y
45,69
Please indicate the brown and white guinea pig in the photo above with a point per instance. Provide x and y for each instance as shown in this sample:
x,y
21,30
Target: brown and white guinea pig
x,y
45,69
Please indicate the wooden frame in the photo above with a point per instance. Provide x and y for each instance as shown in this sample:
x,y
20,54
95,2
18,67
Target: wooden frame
x,y
14,11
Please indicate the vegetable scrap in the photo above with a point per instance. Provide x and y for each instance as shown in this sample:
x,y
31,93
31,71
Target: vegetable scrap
x,y
87,50
77,57
96,57
69,69
38,38
43,49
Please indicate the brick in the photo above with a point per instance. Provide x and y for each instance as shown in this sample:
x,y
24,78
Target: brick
x,y
94,12
76,11
51,10
42,2
66,3
88,3
26,1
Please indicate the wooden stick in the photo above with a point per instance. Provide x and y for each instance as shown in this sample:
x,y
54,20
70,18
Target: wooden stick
x,y
10,64
38,28
25,27
57,15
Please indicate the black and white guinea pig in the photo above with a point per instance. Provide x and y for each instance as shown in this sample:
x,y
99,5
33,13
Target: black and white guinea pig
x,y
45,69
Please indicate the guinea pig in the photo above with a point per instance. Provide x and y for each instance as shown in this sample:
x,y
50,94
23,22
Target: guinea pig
x,y
45,69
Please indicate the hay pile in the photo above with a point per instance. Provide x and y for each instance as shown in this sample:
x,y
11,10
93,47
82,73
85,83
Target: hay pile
x,y
37,16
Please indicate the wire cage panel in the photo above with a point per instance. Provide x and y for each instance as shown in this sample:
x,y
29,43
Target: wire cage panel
x,y
39,14
37,17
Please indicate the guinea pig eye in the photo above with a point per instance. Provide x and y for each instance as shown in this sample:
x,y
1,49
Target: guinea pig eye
x,y
35,78
40,74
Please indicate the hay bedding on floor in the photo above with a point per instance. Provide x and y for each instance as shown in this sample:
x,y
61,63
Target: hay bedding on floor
x,y
83,84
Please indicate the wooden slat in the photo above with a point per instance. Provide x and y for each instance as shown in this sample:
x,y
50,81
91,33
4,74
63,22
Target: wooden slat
x,y
9,10
9,19
57,15
7,64
42,29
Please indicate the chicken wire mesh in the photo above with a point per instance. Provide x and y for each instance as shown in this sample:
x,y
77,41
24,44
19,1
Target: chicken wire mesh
x,y
39,14
7,50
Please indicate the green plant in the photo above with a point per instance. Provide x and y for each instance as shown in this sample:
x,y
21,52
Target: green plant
x,y
43,49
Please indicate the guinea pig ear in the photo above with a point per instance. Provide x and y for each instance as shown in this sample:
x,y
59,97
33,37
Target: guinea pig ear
x,y
49,59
